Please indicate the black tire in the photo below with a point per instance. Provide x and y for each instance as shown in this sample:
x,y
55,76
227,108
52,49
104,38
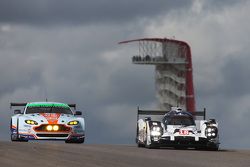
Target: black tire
x,y
213,148
149,146
80,140
139,144
15,137
75,141
200,148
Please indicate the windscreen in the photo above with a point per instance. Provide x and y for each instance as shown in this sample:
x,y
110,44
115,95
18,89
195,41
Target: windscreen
x,y
180,120
61,110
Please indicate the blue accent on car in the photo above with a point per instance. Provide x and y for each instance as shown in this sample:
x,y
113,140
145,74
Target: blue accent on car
x,y
13,130
29,137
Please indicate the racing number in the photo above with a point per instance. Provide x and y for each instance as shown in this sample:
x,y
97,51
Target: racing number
x,y
183,132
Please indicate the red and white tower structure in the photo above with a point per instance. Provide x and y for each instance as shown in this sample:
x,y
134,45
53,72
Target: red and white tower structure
x,y
173,70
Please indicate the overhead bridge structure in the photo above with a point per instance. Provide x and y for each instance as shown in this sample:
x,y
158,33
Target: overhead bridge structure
x,y
173,70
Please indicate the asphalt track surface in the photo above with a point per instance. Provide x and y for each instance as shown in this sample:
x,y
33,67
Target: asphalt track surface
x,y
14,154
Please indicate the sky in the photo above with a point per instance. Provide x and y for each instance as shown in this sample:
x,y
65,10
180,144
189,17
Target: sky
x,y
68,51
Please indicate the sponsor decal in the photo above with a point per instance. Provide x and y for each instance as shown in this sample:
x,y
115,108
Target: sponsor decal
x,y
183,132
52,118
28,136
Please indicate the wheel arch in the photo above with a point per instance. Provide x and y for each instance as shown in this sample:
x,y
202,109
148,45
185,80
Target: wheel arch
x,y
82,122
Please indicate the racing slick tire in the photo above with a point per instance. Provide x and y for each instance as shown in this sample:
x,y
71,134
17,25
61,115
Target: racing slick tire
x,y
139,144
216,148
75,141
15,137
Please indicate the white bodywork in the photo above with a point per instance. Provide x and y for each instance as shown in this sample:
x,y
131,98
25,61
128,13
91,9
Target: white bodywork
x,y
20,130
204,134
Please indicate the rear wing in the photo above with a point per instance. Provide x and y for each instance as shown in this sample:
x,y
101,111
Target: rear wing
x,y
163,112
17,105
24,104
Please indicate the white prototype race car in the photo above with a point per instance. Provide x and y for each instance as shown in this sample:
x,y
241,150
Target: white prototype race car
x,y
178,129
47,121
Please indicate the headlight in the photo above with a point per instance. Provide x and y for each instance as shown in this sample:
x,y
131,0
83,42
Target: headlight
x,y
49,128
211,132
52,127
31,122
73,123
55,128
155,133
156,128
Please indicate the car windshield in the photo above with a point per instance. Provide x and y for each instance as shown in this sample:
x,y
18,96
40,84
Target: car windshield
x,y
62,110
180,120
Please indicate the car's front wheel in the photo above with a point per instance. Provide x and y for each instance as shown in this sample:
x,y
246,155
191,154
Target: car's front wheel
x,y
75,141
149,143
15,136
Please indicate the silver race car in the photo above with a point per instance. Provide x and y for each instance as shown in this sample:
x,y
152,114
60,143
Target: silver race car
x,y
47,121
178,129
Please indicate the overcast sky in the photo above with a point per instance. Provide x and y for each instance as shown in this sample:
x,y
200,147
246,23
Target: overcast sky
x,y
67,51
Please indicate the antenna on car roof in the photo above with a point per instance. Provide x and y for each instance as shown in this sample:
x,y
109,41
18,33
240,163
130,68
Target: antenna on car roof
x,y
46,99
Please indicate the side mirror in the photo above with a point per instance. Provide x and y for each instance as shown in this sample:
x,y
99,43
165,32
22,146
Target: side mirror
x,y
17,112
78,113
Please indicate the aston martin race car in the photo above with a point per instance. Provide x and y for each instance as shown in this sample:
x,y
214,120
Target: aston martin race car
x,y
47,121
178,129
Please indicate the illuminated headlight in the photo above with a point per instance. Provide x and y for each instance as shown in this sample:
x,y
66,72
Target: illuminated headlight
x,y
31,122
49,128
156,129
155,133
55,128
73,123
52,127
211,132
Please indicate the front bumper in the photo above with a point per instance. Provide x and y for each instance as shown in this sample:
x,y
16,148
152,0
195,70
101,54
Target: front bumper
x,y
50,136
184,141
64,133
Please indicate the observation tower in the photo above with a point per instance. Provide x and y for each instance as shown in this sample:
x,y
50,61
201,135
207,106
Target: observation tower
x,y
173,70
